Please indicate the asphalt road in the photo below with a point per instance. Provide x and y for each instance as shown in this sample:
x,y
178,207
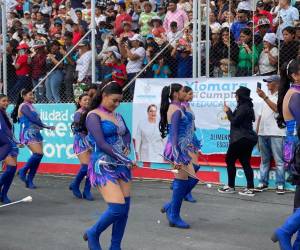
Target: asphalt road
x,y
56,221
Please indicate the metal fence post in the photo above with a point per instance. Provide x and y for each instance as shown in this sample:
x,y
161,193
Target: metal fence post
x,y
207,39
195,38
93,27
4,46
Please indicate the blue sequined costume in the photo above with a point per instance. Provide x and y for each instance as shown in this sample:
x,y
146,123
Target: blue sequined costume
x,y
108,142
180,132
8,144
30,125
80,143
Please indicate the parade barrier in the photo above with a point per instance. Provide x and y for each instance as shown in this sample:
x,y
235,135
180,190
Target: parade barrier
x,y
211,122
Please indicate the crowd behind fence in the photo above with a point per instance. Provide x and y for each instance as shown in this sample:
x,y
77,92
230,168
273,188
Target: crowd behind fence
x,y
49,42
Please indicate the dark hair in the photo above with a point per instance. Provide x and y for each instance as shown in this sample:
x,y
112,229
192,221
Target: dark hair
x,y
166,95
187,89
122,6
77,104
108,87
151,106
4,113
93,86
68,34
285,78
231,36
247,32
20,100
290,29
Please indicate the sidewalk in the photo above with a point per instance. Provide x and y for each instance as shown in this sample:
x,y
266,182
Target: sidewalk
x,y
55,220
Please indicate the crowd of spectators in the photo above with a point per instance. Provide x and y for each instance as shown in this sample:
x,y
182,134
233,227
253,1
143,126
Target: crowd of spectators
x,y
246,38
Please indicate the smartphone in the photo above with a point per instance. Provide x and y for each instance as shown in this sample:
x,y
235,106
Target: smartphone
x,y
258,85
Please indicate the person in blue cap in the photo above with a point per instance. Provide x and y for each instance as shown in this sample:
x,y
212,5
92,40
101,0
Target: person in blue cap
x,y
270,136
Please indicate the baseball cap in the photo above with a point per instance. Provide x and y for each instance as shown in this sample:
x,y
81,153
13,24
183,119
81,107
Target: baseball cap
x,y
26,12
263,21
273,78
136,37
84,43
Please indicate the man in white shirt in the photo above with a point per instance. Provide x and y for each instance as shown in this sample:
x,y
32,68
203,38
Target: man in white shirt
x,y
270,136
84,63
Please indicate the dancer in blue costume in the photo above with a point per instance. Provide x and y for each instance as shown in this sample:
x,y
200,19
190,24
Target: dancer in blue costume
x,y
195,144
8,150
178,124
30,126
110,141
289,115
82,150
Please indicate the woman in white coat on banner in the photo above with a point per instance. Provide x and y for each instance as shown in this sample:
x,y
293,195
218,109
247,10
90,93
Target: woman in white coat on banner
x,y
148,143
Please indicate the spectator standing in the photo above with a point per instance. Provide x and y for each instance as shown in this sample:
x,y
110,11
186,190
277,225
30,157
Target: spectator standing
x,y
174,34
11,77
287,16
80,20
263,27
216,47
239,24
84,63
160,69
182,54
242,141
158,30
69,66
175,15
26,20
54,80
270,136
22,65
119,74
229,46
121,17
289,47
268,58
135,57
146,17
248,54
38,69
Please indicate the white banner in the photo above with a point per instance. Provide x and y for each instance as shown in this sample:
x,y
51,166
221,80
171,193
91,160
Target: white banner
x,y
211,122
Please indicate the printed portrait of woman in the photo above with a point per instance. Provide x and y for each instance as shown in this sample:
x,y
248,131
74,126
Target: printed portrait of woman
x,y
148,142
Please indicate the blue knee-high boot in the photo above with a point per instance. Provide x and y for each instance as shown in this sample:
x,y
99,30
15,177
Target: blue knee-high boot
x,y
87,190
74,186
285,233
296,245
36,160
189,196
191,184
114,212
23,171
119,228
173,213
5,181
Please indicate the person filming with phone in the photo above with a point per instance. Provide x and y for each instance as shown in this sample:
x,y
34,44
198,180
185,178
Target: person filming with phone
x,y
270,136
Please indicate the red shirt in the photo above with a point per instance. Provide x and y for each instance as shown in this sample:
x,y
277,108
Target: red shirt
x,y
24,69
118,70
118,23
158,32
76,37
38,65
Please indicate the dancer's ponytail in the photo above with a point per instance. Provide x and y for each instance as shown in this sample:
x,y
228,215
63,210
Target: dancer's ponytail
x,y
286,71
166,98
20,100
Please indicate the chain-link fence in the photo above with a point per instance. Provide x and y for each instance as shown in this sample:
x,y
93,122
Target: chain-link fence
x,y
49,42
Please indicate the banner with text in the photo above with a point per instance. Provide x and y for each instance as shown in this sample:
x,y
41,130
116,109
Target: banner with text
x,y
211,121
